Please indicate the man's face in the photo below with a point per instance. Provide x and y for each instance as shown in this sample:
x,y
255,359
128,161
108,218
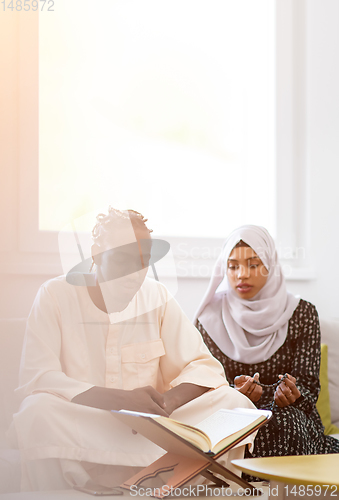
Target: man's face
x,y
122,270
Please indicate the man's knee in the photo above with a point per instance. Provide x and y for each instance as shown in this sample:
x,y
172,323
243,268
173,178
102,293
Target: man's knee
x,y
42,403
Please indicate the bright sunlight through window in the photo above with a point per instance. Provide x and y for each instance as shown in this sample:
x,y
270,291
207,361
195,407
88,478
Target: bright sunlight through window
x,y
165,107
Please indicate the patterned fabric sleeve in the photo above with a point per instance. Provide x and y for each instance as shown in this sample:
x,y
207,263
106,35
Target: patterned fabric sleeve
x,y
306,357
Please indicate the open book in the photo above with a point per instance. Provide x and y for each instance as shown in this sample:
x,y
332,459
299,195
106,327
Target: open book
x,y
220,430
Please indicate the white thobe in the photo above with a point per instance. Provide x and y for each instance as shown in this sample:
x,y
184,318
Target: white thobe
x,y
71,345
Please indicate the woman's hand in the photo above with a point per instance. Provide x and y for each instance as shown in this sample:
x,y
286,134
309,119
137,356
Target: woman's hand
x,y
245,385
287,392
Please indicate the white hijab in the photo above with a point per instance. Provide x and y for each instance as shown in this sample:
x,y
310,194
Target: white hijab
x,y
248,330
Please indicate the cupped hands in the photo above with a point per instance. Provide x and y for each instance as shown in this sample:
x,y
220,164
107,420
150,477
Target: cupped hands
x,y
247,385
287,392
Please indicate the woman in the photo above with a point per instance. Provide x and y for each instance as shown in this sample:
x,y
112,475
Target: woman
x,y
262,334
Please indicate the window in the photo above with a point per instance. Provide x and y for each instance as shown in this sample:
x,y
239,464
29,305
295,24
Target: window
x,y
182,110
165,107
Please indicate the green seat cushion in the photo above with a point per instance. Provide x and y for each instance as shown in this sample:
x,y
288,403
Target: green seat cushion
x,y
323,403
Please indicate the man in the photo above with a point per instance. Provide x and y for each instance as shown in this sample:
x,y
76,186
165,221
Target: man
x,y
120,342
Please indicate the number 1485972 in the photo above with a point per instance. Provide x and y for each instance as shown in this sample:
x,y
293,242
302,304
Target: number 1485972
x,y
309,491
26,5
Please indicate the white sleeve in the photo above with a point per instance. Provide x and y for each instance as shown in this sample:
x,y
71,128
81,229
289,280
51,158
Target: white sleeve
x,y
40,368
187,359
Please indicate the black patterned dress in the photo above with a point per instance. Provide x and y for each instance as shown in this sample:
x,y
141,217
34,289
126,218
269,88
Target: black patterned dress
x,y
295,429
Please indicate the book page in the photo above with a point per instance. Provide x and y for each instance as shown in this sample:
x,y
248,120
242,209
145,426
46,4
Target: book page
x,y
223,423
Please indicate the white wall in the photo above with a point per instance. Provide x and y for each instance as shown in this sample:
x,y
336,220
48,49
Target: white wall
x,y
319,84
322,153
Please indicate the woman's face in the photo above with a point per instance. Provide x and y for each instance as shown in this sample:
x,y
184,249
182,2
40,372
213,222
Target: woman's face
x,y
245,272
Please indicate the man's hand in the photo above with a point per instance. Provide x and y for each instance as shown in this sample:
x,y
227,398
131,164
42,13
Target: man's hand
x,y
245,385
287,392
144,399
182,394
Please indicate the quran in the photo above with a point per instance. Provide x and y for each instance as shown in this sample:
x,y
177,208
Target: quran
x,y
220,430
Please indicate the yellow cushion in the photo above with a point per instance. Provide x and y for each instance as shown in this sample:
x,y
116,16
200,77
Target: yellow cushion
x,y
323,403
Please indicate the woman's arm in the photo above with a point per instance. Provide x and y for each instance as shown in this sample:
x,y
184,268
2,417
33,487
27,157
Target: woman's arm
x,y
211,346
242,383
306,358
